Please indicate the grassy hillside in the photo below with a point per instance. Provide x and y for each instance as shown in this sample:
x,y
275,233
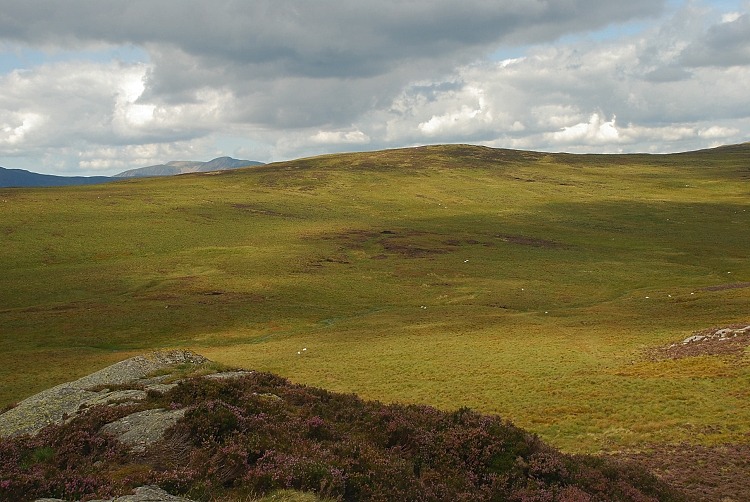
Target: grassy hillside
x,y
525,284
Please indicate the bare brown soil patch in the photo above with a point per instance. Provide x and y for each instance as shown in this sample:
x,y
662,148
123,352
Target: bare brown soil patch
x,y
727,340
722,287
410,250
352,238
405,243
530,241
706,473
418,244
256,209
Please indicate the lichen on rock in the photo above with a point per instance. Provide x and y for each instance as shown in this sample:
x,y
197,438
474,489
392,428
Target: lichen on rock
x,y
65,401
143,428
140,494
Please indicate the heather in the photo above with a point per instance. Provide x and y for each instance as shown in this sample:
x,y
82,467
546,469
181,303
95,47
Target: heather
x,y
254,435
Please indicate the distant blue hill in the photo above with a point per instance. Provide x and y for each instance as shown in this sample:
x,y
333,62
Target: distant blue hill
x,y
188,166
21,178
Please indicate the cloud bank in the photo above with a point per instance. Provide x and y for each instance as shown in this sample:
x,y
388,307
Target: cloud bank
x,y
270,80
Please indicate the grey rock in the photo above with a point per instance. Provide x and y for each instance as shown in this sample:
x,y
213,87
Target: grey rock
x,y
140,494
138,367
118,397
50,406
161,387
717,334
694,338
63,402
141,429
228,374
150,494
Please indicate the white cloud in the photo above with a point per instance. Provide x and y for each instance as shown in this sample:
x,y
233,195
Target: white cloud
x,y
91,108
595,131
127,108
718,132
340,137
465,119
730,17
568,96
554,116
15,126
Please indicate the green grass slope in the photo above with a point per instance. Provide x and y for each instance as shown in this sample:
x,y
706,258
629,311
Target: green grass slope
x,y
525,284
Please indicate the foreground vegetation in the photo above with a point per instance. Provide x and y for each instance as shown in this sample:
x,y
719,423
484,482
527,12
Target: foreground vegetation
x,y
253,435
529,285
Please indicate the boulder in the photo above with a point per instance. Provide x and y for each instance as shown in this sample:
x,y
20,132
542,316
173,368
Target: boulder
x,y
140,494
143,428
63,402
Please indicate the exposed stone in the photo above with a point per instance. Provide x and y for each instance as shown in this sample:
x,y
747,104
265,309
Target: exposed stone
x,y
694,338
730,340
64,401
138,367
137,430
143,428
140,494
161,387
228,374
117,397
50,406
717,334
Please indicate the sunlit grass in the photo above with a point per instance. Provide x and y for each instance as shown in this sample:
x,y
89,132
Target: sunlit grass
x,y
522,284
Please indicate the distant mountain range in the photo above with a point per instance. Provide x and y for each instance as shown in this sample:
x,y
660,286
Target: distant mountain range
x,y
22,178
187,166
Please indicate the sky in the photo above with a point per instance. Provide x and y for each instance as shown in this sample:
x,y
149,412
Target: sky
x,y
95,87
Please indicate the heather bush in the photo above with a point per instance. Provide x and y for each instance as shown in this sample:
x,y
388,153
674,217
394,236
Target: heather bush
x,y
259,434
62,461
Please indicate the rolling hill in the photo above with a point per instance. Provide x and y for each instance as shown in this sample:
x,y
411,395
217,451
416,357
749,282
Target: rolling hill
x,y
22,178
554,290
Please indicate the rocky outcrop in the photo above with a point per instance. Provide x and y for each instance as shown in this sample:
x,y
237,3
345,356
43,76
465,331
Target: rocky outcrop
x,y
730,341
141,494
65,401
143,428
138,430
717,334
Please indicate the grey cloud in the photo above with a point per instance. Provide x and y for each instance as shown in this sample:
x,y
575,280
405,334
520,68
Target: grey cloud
x,y
322,38
296,63
287,101
725,44
668,73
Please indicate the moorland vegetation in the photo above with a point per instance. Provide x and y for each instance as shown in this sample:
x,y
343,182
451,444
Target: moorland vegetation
x,y
244,437
544,288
